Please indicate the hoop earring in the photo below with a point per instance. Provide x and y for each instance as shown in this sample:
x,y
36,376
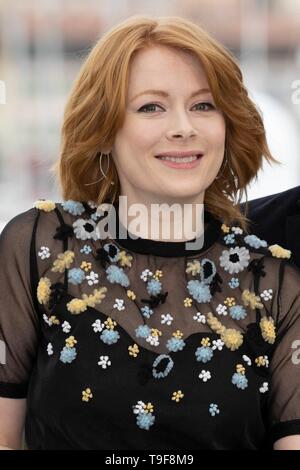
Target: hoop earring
x,y
226,161
101,171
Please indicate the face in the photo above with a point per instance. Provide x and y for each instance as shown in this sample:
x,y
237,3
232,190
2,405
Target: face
x,y
178,120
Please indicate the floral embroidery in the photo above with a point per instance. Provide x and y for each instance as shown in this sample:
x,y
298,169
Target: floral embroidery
x,y
144,418
221,309
193,267
153,337
116,275
234,282
87,394
133,350
109,335
85,229
92,278
264,388
124,259
205,352
119,304
225,228
199,291
86,249
45,205
77,306
177,396
176,343
66,327
279,252
268,329
113,252
235,259
247,360
44,252
229,301
217,344
229,239
86,266
146,311
162,358
142,331
104,362
237,312
131,295
166,319
153,287
63,261
205,375
213,409
237,230
73,207
199,317
97,326
76,276
255,242
187,302
68,353
50,349
145,274
43,290
239,379
251,300
232,338
267,294
262,361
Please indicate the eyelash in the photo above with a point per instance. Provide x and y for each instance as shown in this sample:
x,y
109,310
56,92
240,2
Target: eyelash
x,y
155,104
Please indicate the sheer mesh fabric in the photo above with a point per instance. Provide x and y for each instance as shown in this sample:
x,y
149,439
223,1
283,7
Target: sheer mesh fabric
x,y
20,315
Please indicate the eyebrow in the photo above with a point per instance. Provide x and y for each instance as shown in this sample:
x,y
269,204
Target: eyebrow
x,y
165,94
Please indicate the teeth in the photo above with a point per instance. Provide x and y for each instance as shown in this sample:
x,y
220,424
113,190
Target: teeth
x,y
180,159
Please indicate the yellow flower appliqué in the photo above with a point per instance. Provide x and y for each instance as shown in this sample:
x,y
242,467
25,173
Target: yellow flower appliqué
x,y
87,394
43,290
225,228
86,266
45,205
63,261
133,350
232,338
229,301
268,329
124,259
251,300
177,396
193,267
130,294
71,341
279,252
187,302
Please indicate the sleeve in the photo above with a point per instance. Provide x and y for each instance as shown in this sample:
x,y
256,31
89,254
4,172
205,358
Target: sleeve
x,y
284,404
19,322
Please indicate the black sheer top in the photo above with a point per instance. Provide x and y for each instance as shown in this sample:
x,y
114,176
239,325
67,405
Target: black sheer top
x,y
142,344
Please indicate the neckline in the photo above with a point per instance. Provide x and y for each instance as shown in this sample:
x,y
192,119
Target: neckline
x,y
170,249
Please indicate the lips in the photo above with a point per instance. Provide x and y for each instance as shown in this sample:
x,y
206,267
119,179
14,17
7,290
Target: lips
x,y
180,154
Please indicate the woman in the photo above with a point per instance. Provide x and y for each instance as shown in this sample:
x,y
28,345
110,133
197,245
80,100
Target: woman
x,y
141,342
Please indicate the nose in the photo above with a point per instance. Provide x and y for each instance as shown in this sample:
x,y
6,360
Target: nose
x,y
181,127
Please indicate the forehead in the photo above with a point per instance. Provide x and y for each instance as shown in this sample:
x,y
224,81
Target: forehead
x,y
165,66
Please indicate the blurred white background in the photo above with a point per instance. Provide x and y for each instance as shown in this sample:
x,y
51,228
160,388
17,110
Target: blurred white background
x,y
43,43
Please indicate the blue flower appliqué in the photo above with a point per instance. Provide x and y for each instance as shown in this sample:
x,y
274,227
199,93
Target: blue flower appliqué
x,y
146,311
169,363
67,355
255,242
142,331
204,354
237,312
109,336
116,275
73,207
175,344
76,276
199,291
239,380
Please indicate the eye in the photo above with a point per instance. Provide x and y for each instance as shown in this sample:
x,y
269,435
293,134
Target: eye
x,y
154,105
211,106
146,106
